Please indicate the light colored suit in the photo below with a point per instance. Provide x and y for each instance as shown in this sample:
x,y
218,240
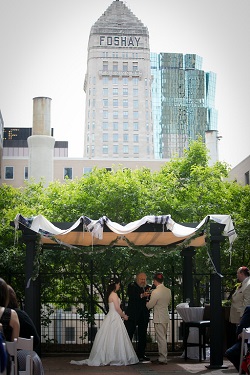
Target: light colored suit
x,y
159,301
240,299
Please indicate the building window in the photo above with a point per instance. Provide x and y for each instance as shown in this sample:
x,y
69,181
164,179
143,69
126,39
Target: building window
x,y
135,81
115,80
125,149
115,125
247,178
115,66
115,149
125,91
105,125
135,92
125,80
115,114
125,67
136,115
70,335
125,137
68,173
105,137
136,149
9,173
135,103
26,173
105,114
105,66
115,90
105,102
125,114
125,126
105,91
125,103
105,80
136,138
135,66
87,170
136,125
115,103
115,137
105,149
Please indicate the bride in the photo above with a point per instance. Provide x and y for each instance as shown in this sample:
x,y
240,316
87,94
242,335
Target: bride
x,y
112,345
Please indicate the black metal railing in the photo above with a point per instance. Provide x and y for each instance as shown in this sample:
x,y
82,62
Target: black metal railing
x,y
64,331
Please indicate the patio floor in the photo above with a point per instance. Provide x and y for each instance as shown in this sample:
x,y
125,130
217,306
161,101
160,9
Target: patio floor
x,y
176,365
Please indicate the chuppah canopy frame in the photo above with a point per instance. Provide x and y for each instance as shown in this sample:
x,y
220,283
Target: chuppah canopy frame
x,y
149,231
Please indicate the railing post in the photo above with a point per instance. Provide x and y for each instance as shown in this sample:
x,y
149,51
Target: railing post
x,y
91,302
216,319
32,301
187,274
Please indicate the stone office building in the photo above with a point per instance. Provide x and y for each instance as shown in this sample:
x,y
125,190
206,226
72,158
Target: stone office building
x,y
118,113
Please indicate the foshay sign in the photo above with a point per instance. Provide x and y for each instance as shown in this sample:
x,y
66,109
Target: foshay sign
x,y
119,41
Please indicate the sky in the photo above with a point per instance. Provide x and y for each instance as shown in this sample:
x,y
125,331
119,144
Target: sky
x,y
43,46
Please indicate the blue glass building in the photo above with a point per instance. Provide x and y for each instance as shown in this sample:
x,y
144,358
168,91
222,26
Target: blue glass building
x,y
183,98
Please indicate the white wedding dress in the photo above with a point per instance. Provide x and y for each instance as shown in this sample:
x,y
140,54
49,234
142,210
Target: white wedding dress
x,y
112,345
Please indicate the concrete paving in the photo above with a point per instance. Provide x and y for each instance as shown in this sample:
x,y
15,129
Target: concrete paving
x,y
176,365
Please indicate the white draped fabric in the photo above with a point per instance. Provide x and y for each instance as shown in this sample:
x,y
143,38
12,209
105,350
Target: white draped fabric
x,y
41,225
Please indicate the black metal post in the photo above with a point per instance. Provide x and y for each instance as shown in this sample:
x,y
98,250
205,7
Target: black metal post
x,y
173,310
32,301
187,282
91,303
216,319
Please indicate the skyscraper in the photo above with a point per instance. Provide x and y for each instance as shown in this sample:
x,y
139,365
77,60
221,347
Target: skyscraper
x,y
183,102
118,116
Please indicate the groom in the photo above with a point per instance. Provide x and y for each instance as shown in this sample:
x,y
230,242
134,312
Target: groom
x,y
138,314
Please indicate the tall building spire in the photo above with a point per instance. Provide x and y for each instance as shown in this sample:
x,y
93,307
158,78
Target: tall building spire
x,y
118,120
